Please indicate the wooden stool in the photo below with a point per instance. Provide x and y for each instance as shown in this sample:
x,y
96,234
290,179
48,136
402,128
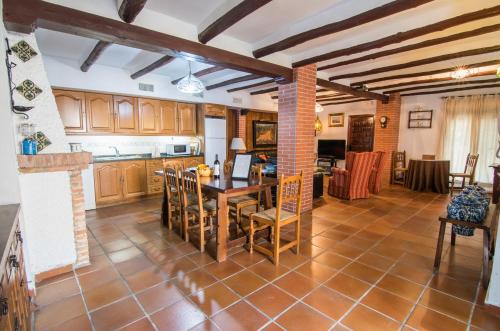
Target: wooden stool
x,y
489,227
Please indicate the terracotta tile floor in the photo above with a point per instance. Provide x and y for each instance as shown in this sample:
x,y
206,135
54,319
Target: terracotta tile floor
x,y
364,265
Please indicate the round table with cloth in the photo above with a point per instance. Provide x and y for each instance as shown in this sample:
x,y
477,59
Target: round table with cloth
x,y
428,175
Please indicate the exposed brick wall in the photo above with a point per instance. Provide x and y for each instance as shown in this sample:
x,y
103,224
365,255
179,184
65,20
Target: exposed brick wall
x,y
296,116
387,139
241,125
79,225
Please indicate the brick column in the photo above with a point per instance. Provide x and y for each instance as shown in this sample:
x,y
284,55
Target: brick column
x,y
387,139
296,116
79,225
241,128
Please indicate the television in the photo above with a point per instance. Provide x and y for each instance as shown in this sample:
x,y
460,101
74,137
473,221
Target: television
x,y
331,147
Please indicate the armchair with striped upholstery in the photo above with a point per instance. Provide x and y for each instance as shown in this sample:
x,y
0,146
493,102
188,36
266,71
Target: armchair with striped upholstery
x,y
352,182
375,182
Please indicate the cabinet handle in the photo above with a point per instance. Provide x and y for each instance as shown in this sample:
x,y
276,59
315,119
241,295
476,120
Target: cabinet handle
x,y
13,261
4,306
19,236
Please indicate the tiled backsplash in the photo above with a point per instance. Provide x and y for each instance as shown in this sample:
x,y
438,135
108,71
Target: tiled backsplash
x,y
100,145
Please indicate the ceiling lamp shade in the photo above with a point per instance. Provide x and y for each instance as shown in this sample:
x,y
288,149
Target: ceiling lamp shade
x,y
318,108
190,84
237,144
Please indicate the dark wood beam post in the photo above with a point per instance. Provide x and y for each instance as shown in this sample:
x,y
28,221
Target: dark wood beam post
x,y
371,15
264,91
63,19
155,65
452,90
200,73
459,83
233,81
270,81
402,36
94,55
234,15
129,9
428,60
348,90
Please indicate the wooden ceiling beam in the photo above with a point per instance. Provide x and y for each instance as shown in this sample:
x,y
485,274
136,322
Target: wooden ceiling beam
x,y
371,15
402,36
425,73
343,102
129,9
429,60
328,96
270,81
452,90
200,73
338,99
431,80
459,83
264,91
348,90
233,81
231,17
153,66
427,43
26,15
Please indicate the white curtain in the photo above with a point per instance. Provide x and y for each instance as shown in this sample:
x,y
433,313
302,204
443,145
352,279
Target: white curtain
x,y
470,126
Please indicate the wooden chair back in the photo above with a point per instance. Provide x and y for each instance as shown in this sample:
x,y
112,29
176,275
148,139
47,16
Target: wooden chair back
x,y
470,165
289,192
428,157
228,167
171,176
398,159
191,186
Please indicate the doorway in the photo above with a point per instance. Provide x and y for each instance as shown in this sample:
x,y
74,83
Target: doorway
x,y
360,133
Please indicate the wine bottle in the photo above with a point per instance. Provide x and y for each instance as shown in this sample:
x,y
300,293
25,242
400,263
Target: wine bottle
x,y
216,166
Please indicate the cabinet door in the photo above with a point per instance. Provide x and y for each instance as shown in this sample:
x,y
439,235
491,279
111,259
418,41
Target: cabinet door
x,y
167,118
107,182
186,113
134,179
99,112
148,115
215,110
126,114
71,106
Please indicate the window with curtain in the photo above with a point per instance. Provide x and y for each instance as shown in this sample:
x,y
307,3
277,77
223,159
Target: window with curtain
x,y
470,126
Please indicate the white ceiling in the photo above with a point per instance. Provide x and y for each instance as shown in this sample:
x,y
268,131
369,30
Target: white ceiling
x,y
275,21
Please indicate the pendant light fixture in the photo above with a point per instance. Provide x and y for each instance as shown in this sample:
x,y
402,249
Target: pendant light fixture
x,y
190,84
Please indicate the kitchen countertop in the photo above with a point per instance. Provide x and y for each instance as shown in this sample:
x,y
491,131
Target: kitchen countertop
x,y
8,215
135,157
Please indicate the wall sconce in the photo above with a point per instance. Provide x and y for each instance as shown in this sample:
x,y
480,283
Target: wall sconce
x,y
383,121
317,126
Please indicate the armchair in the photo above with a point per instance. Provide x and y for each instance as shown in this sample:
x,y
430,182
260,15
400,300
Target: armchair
x,y
375,181
352,182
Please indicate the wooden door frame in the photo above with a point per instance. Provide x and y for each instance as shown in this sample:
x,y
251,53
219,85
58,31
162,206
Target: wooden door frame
x,y
349,130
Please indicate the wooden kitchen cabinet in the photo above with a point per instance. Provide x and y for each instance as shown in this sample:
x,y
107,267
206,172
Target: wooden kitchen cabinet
x,y
134,179
186,115
214,110
154,182
193,161
167,118
100,114
148,115
126,114
71,107
108,182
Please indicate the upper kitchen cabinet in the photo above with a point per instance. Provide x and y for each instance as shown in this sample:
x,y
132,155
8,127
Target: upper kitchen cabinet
x,y
186,113
100,112
149,115
167,118
214,110
126,114
71,106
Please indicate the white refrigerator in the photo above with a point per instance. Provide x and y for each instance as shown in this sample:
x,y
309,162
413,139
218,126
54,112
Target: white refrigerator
x,y
215,140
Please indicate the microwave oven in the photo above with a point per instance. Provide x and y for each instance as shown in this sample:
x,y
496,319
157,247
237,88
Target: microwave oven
x,y
178,149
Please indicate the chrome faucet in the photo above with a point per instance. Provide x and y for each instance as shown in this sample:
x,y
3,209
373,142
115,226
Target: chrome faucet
x,y
117,152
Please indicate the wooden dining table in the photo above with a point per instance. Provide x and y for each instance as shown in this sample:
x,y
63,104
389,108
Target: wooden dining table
x,y
221,189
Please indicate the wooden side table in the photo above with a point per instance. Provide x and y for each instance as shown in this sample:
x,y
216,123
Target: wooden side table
x,y
496,182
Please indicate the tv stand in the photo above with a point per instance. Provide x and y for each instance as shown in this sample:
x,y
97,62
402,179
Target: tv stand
x,y
326,162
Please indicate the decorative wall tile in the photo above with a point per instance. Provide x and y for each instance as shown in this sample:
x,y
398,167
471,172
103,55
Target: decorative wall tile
x,y
23,51
41,139
28,89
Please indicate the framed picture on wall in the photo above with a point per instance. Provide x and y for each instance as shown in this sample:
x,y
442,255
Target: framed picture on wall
x,y
336,120
265,134
420,119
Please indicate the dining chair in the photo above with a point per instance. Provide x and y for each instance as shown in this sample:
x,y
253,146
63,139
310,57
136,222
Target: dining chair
x,y
399,168
428,157
469,171
290,195
173,192
238,203
198,214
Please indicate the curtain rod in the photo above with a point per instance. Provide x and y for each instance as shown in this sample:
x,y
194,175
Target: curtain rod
x,y
470,95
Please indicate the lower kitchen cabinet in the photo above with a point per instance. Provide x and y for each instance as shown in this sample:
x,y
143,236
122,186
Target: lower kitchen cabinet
x,y
116,182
